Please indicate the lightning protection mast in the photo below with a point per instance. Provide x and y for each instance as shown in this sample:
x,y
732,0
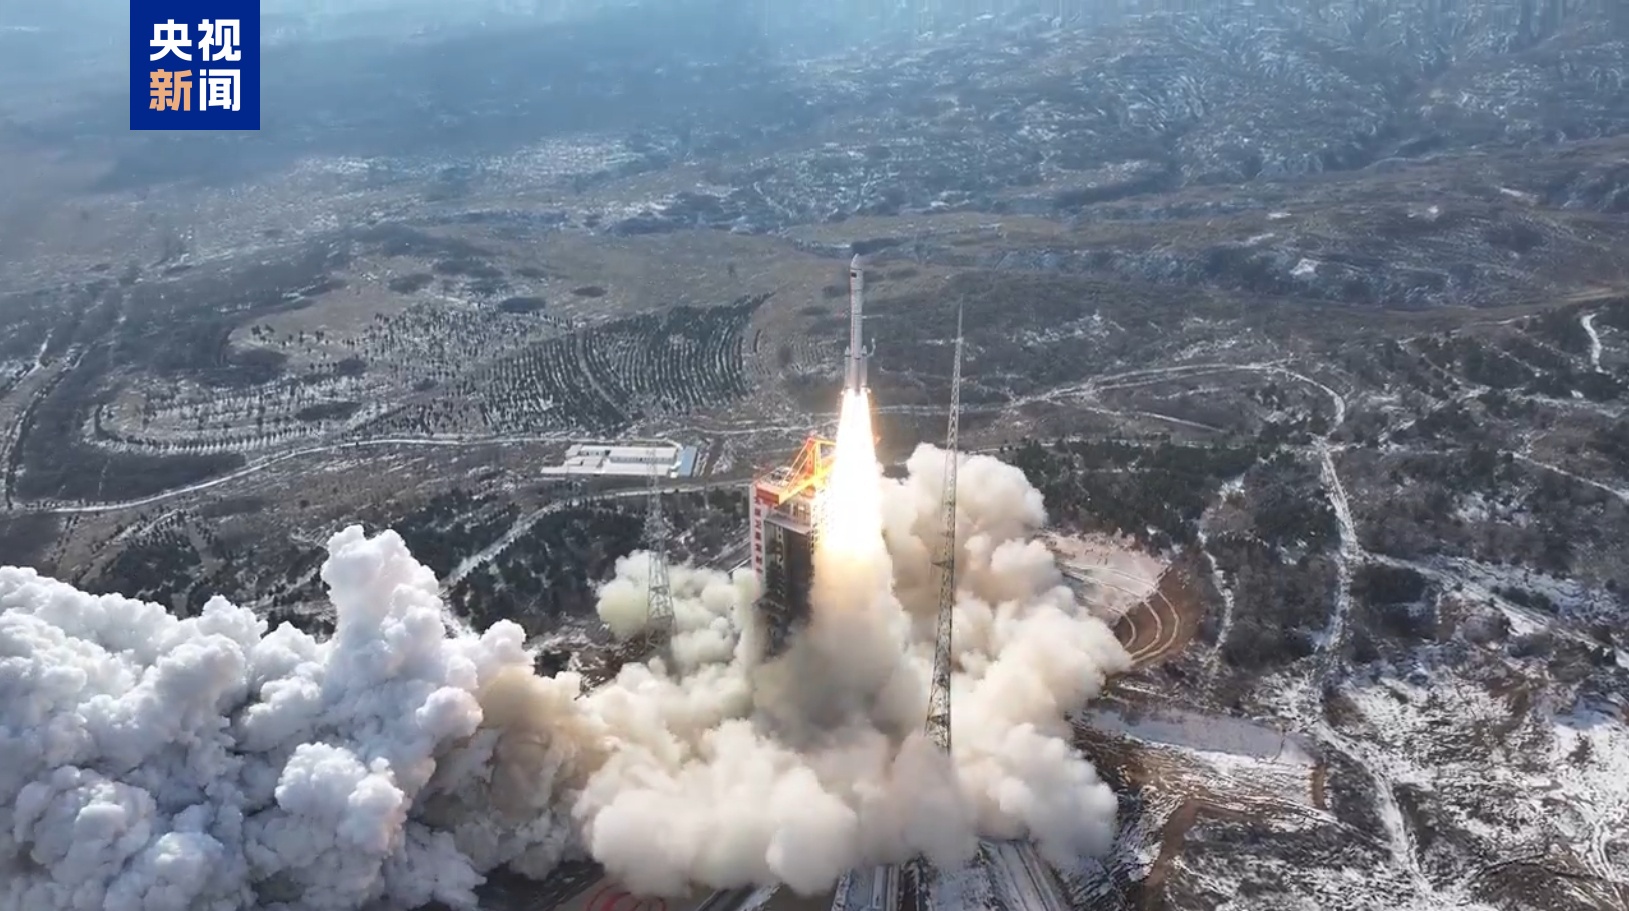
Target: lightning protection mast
x,y
939,695
659,612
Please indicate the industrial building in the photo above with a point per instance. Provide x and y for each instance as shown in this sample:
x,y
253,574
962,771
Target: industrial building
x,y
785,525
596,459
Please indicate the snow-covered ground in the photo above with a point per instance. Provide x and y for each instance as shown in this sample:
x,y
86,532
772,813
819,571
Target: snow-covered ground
x,y
1492,785
1210,736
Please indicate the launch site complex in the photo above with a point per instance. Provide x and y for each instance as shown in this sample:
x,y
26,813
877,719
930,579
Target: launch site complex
x,y
1296,364
786,519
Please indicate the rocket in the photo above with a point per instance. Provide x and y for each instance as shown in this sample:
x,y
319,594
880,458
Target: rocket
x,y
854,379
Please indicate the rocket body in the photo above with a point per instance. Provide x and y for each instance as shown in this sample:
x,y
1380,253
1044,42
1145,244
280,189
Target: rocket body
x,y
854,379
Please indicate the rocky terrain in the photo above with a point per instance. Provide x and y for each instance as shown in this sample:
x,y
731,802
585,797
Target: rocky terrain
x,y
1326,302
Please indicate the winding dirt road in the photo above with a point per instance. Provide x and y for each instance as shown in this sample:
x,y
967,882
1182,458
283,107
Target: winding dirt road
x,y
1162,624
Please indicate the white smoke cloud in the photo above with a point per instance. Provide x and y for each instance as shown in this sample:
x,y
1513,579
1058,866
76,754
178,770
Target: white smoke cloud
x,y
153,763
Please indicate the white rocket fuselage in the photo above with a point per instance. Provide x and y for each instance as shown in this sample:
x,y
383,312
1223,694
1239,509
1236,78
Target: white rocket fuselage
x,y
854,380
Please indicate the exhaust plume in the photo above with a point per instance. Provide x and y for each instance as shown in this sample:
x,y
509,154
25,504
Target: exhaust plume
x,y
164,764
852,512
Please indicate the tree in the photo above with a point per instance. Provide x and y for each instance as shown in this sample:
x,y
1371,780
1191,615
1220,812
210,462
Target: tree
x,y
1583,752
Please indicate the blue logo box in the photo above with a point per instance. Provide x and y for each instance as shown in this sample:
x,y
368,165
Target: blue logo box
x,y
194,64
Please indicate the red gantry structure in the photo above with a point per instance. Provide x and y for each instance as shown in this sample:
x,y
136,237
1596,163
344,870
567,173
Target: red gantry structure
x,y
786,514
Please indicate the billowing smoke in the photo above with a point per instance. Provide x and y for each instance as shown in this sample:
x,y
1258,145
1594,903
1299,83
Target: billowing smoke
x,y
154,763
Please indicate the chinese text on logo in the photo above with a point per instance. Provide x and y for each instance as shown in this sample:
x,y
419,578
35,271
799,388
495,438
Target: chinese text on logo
x,y
195,64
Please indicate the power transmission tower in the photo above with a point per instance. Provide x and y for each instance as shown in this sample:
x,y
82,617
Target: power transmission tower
x,y
659,614
939,695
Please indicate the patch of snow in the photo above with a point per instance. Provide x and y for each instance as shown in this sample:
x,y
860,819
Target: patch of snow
x,y
1478,507
1588,322
1550,789
1226,492
1306,268
1473,507
1349,553
1572,598
1209,734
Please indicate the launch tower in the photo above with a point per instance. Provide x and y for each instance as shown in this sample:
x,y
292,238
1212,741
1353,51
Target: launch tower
x,y
786,513
787,501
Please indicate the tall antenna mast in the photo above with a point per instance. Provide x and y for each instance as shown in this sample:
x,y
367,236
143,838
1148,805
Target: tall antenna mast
x,y
939,695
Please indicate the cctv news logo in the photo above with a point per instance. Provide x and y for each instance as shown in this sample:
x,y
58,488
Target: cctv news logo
x,y
194,64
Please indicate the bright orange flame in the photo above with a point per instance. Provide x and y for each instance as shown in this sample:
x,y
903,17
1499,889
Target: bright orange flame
x,y
851,525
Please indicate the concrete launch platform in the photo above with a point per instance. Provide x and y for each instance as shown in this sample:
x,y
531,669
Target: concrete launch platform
x,y
1007,875
584,887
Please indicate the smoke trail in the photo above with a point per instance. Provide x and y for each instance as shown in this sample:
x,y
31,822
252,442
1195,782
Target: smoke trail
x,y
149,762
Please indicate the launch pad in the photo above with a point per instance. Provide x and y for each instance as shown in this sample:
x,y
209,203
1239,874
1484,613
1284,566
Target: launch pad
x,y
1004,874
788,510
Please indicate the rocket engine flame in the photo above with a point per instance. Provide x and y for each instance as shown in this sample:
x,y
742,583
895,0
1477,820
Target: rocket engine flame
x,y
851,520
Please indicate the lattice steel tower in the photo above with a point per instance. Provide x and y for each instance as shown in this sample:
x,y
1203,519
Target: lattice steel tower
x,y
939,695
659,613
